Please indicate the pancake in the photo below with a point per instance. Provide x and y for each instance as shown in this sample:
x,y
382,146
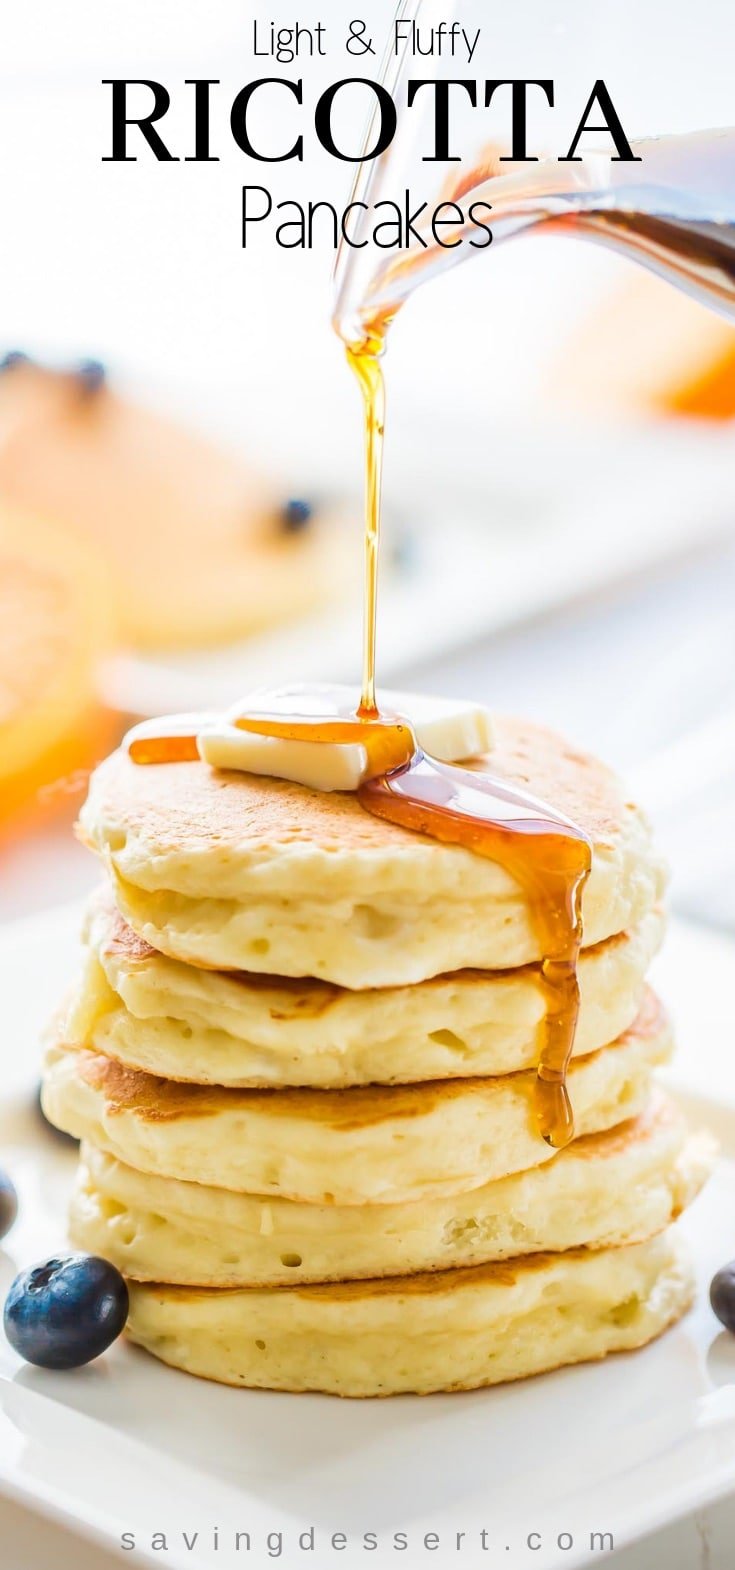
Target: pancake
x,y
373,1144
156,1014
199,546
603,1190
455,1330
237,872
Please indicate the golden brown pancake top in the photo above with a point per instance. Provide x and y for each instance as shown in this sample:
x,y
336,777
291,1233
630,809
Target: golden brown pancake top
x,y
188,807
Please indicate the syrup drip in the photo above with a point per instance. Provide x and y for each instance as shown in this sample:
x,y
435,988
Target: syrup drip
x,y
365,363
546,854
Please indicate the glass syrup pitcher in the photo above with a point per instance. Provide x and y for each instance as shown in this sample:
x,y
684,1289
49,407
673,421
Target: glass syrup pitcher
x,y
673,208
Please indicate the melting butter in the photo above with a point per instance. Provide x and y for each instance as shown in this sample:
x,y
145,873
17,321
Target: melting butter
x,y
447,728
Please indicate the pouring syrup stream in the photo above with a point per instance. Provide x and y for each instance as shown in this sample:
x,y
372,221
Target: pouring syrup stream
x,y
544,852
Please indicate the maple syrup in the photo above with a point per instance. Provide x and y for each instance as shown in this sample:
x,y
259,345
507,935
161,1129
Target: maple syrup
x,y
171,739
673,220
365,362
542,850
548,855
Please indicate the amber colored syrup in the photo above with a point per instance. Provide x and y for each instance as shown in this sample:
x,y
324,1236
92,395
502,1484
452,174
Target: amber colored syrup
x,y
542,850
365,363
546,854
172,739
388,741
550,859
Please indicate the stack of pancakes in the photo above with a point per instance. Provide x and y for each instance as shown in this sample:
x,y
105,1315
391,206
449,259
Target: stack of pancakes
x,y
301,1063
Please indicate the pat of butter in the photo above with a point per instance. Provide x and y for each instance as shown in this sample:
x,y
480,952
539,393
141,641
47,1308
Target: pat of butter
x,y
445,728
320,765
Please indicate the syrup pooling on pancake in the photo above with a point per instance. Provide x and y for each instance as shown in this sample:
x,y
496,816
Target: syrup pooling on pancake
x,y
541,849
172,739
547,854
389,742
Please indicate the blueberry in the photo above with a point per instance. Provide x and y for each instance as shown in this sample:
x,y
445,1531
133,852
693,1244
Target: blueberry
x,y
91,374
296,514
12,358
8,1204
722,1295
65,1311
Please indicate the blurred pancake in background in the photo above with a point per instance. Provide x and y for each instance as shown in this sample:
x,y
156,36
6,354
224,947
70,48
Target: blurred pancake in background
x,y
202,550
56,621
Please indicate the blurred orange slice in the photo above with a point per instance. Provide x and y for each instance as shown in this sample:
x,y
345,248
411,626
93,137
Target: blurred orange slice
x,y
55,624
648,348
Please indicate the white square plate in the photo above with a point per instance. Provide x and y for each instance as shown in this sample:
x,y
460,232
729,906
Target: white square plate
x,y
127,1445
